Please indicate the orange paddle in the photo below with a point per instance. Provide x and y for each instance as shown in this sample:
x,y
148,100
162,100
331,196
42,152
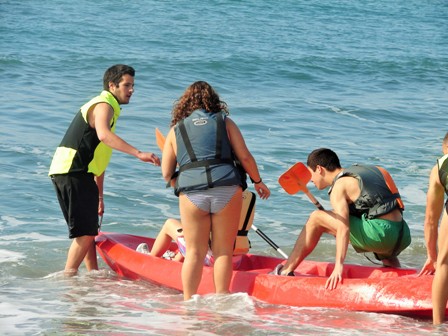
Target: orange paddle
x,y
295,179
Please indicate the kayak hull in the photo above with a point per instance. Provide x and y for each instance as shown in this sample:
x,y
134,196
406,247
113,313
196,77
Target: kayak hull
x,y
364,288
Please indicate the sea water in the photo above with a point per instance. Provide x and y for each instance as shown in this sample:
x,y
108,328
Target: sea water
x,y
367,79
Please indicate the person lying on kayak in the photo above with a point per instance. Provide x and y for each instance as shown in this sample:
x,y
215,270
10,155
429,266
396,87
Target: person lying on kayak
x,y
437,262
366,213
171,230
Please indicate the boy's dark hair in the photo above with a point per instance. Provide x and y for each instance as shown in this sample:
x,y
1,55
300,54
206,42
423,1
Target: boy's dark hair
x,y
323,157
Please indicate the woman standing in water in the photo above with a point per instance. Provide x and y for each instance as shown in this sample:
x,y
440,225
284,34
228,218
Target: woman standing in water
x,y
205,143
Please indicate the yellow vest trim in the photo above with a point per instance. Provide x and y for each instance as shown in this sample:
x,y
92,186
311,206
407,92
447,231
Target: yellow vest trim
x,y
62,160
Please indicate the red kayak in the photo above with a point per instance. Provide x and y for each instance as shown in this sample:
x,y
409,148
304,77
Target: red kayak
x,y
364,288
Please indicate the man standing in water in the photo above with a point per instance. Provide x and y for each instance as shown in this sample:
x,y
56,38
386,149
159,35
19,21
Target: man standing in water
x,y
437,262
79,163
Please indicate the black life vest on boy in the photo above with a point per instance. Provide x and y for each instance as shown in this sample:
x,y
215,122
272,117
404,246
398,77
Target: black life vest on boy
x,y
378,196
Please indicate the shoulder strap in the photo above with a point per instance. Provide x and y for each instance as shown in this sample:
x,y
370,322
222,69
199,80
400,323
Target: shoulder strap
x,y
186,139
220,128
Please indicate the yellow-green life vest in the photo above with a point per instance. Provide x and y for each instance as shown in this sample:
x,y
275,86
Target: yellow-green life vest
x,y
80,150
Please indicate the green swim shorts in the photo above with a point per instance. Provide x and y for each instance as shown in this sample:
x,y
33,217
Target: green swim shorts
x,y
378,236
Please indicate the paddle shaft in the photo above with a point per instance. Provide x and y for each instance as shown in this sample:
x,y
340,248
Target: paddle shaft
x,y
313,199
295,179
269,241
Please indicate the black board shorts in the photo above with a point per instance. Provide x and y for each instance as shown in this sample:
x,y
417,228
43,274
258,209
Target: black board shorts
x,y
78,197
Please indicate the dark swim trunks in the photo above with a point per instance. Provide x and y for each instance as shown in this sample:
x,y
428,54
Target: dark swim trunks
x,y
78,198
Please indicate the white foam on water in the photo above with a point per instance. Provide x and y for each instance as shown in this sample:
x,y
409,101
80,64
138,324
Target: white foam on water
x,y
18,149
11,256
30,236
11,221
12,317
229,304
413,194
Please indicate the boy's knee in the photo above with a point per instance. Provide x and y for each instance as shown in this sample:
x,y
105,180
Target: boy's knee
x,y
316,219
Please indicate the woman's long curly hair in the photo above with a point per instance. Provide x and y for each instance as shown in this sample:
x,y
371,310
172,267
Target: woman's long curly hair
x,y
199,95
